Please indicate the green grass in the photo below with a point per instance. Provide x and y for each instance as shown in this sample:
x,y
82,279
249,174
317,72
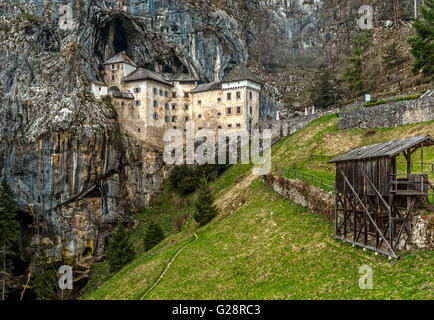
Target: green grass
x,y
263,246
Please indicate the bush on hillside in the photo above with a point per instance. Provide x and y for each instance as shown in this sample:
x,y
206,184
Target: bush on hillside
x,y
119,251
153,235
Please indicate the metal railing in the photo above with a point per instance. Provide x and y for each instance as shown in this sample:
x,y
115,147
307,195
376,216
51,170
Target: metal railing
x,y
319,182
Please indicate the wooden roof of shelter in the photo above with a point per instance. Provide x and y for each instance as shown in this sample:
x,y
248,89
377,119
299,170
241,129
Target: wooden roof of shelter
x,y
386,149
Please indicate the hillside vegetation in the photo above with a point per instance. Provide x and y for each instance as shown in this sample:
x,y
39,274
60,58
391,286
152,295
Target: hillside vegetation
x,y
263,246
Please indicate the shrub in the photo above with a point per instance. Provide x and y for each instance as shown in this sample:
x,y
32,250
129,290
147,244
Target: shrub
x,y
179,222
119,251
153,235
205,209
188,185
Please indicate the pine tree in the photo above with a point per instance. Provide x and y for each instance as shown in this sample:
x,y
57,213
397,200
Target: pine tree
x,y
9,227
153,235
119,251
323,92
354,74
205,208
422,45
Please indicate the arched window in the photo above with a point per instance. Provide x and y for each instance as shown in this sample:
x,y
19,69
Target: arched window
x,y
155,116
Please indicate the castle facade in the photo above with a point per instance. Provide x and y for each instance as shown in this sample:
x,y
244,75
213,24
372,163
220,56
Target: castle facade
x,y
149,103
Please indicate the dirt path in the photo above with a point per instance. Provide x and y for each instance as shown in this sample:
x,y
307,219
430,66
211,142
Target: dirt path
x,y
170,263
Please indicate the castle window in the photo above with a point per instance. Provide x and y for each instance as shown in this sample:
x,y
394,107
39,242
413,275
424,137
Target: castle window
x,y
161,92
137,102
229,126
229,96
167,119
166,106
173,118
186,119
155,103
137,90
200,101
155,116
113,78
122,103
185,94
219,113
229,110
238,110
173,106
251,95
99,88
200,128
251,110
166,94
138,130
175,127
219,127
186,107
238,95
155,91
200,116
238,125
173,94
113,66
219,99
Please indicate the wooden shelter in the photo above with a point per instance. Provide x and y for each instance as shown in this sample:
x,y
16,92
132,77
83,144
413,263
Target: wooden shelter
x,y
374,201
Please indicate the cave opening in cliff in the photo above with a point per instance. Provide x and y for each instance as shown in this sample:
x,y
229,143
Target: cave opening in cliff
x,y
120,41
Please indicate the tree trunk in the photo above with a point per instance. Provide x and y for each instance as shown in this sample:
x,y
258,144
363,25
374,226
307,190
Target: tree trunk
x,y
4,269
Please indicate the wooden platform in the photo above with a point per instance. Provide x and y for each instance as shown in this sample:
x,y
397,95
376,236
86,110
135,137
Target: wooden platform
x,y
408,193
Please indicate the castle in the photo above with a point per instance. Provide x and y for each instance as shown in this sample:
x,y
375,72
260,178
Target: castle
x,y
149,103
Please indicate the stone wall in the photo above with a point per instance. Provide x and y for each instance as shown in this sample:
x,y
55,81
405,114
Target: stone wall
x,y
388,115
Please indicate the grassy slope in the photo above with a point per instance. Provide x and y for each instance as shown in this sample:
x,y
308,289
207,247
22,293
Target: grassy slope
x,y
271,248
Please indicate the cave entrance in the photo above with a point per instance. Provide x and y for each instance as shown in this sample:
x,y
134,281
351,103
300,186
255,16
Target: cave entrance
x,y
120,41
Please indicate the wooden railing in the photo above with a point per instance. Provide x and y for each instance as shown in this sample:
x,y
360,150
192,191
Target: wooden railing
x,y
417,183
324,184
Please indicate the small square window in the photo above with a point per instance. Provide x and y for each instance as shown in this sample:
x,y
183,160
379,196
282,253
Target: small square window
x,y
229,126
200,116
173,119
251,95
238,110
219,99
186,95
155,103
155,91
186,107
175,127
186,119
113,78
219,113
229,110
229,96
173,106
166,106
238,95
173,94
200,101
219,127
238,125
166,94
161,92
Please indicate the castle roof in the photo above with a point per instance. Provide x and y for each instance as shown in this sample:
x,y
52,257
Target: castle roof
x,y
239,73
183,77
144,74
123,95
121,57
207,87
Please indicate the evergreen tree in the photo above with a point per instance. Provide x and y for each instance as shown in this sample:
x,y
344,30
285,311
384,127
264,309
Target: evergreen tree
x,y
44,282
354,74
205,208
9,227
422,45
323,92
392,57
119,251
153,235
